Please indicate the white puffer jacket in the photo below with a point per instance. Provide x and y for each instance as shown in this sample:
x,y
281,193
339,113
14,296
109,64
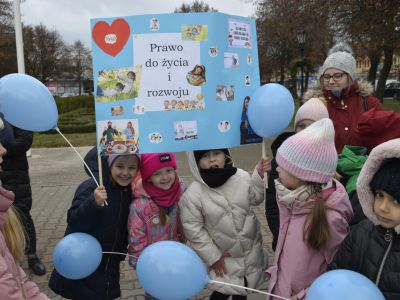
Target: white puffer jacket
x,y
221,219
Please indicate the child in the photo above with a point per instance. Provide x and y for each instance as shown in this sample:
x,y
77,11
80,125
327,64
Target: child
x,y
154,213
314,210
14,283
220,224
106,222
373,246
311,111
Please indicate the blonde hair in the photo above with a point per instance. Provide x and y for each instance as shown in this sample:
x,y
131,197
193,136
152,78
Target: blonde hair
x,y
316,231
14,234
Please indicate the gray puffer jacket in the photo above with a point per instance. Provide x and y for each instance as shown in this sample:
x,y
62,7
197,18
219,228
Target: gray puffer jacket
x,y
221,219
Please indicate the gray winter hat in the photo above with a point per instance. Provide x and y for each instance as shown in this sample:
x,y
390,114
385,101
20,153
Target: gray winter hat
x,y
340,57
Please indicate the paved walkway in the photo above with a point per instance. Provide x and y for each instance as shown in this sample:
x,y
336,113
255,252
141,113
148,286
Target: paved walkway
x,y
56,172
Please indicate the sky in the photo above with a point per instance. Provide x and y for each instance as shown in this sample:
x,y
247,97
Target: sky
x,y
71,18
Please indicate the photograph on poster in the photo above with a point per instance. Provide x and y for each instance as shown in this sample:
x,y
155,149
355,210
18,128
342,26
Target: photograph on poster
x,y
118,84
118,136
224,126
194,32
225,93
117,110
185,130
231,60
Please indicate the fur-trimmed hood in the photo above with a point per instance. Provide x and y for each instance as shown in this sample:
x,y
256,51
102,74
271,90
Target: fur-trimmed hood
x,y
364,88
387,150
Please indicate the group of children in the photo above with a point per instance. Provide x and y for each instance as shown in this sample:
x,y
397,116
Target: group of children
x,y
214,216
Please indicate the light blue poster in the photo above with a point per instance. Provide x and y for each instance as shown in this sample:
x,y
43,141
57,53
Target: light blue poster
x,y
173,82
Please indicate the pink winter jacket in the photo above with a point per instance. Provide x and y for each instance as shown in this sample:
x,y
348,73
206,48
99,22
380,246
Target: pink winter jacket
x,y
296,265
12,278
144,224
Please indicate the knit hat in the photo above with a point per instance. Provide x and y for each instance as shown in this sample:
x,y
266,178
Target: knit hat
x,y
198,154
340,57
152,162
111,158
310,155
387,178
313,109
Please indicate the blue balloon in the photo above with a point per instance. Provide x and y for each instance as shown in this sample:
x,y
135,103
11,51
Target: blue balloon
x,y
77,255
270,110
27,103
169,270
343,285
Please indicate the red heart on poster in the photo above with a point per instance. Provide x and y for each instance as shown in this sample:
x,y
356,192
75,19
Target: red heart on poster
x,y
111,39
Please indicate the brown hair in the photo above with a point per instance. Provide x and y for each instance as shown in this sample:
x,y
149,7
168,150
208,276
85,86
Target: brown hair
x,y
316,231
14,234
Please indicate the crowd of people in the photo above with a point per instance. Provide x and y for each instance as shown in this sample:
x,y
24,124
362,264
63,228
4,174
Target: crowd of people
x,y
308,209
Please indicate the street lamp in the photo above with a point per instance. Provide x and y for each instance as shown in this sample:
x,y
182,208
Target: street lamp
x,y
301,39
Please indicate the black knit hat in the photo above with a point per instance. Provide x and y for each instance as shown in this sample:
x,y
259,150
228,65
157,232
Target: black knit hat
x,y
198,154
387,178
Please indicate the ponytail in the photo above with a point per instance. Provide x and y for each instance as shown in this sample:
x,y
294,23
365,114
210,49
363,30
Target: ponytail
x,y
14,234
317,229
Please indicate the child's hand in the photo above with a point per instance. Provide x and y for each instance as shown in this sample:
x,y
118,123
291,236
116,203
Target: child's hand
x,y
100,195
219,266
263,166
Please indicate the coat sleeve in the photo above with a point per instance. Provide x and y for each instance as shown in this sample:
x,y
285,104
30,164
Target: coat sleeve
x,y
10,287
83,213
195,230
31,289
344,258
338,230
256,193
20,144
137,238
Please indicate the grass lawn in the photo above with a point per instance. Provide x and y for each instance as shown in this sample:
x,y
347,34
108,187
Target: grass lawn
x,y
41,140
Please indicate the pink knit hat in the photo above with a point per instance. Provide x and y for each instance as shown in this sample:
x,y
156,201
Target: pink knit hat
x,y
313,109
310,155
152,162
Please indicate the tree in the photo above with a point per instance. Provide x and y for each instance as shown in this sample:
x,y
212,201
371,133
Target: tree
x,y
277,25
80,62
196,6
44,51
371,27
8,55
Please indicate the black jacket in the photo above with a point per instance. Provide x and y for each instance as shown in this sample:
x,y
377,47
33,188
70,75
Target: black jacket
x,y
271,207
15,167
108,225
363,251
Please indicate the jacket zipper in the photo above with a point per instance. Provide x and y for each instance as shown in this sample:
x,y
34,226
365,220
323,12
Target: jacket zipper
x,y
113,247
388,238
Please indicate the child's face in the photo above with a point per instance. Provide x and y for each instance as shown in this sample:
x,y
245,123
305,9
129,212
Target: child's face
x,y
303,124
124,169
387,209
212,159
288,180
163,178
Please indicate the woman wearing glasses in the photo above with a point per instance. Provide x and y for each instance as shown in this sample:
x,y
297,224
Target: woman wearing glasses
x,y
347,98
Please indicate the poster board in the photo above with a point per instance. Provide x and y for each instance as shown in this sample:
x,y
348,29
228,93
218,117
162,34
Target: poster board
x,y
173,82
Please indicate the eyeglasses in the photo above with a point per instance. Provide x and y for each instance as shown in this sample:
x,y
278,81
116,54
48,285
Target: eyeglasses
x,y
336,77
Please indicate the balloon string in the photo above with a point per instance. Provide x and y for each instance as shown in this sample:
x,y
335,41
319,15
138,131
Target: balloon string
x,y
73,148
120,253
250,289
